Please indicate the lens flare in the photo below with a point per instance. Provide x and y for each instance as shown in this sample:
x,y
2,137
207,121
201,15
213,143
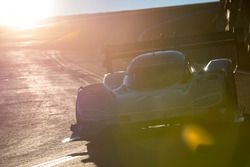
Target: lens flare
x,y
195,136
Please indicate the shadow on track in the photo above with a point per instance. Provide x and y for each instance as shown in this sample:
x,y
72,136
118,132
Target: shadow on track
x,y
167,147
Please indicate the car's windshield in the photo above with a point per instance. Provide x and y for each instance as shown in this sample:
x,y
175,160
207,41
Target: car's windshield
x,y
155,76
156,70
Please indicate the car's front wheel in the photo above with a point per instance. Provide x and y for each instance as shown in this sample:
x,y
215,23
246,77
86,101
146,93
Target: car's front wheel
x,y
230,101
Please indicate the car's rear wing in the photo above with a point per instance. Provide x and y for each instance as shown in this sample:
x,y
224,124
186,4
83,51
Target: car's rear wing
x,y
220,44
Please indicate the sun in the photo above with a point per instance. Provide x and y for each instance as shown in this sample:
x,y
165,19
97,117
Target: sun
x,y
24,13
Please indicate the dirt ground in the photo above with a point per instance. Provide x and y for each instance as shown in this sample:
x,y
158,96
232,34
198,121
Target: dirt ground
x,y
38,92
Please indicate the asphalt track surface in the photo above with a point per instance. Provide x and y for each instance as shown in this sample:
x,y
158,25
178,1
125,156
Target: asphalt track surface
x,y
38,92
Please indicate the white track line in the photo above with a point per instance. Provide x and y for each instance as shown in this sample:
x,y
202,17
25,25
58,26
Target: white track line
x,y
58,161
69,139
69,65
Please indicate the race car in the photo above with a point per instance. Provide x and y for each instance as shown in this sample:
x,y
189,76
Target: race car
x,y
158,87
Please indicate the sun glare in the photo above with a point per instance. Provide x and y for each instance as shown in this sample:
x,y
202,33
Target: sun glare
x,y
24,13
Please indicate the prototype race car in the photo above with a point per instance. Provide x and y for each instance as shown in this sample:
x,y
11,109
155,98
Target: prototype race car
x,y
158,87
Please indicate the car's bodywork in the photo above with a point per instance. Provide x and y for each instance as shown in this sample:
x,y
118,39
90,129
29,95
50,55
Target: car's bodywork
x,y
158,86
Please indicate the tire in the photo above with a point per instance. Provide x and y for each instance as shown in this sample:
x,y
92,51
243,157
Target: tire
x,y
230,102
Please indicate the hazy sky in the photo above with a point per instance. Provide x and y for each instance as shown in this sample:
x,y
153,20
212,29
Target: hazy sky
x,y
64,7
28,12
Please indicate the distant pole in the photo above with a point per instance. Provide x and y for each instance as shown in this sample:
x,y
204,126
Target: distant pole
x,y
162,40
108,62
